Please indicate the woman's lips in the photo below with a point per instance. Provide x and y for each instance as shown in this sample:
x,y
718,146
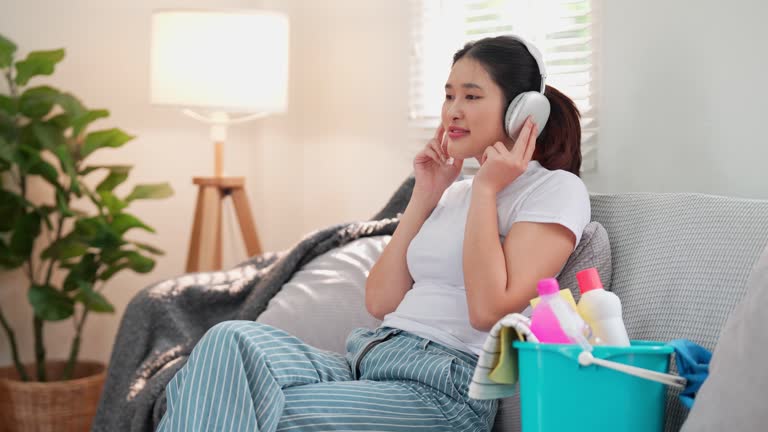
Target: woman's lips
x,y
457,134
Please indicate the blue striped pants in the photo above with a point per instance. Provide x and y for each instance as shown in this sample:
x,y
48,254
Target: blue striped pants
x,y
248,376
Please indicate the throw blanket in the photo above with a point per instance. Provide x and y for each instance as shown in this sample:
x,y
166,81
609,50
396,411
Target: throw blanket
x,y
162,324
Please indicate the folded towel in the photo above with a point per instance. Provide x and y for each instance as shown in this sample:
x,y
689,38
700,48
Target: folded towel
x,y
496,373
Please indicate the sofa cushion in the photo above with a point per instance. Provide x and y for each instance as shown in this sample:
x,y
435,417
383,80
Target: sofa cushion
x,y
733,396
325,299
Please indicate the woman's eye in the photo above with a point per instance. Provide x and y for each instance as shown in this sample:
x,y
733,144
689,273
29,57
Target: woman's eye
x,y
448,97
472,97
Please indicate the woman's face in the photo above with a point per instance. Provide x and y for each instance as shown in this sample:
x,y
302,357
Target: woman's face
x,y
472,111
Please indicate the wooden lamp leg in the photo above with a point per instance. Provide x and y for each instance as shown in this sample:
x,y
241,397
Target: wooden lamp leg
x,y
193,256
245,219
205,245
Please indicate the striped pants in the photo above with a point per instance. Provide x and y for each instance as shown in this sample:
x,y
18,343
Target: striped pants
x,y
248,376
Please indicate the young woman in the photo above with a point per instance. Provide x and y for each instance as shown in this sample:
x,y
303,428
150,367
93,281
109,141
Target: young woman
x,y
464,255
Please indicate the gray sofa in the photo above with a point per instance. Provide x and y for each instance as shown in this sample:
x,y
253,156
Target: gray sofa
x,y
679,262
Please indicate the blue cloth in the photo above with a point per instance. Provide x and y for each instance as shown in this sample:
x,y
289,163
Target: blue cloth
x,y
248,376
692,364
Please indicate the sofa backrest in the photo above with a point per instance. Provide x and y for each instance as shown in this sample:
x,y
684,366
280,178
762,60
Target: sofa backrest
x,y
680,263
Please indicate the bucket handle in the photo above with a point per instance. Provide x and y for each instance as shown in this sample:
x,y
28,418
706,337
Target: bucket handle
x,y
586,358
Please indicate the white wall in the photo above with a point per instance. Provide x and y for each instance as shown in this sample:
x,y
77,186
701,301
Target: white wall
x,y
341,147
683,97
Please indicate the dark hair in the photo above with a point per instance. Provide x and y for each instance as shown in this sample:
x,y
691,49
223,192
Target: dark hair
x,y
514,69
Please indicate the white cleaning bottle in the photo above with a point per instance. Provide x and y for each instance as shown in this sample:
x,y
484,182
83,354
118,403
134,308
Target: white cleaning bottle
x,y
601,309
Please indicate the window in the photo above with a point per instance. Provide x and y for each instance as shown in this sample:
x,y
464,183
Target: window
x,y
563,30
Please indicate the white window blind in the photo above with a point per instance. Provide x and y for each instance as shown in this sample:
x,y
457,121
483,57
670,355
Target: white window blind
x,y
563,30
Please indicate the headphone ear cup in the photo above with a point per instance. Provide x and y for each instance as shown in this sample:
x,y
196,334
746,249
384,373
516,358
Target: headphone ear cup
x,y
512,123
523,105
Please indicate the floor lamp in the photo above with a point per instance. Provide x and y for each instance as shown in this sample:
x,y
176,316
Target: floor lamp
x,y
233,65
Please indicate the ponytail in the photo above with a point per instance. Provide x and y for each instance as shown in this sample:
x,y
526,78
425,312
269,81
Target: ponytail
x,y
559,145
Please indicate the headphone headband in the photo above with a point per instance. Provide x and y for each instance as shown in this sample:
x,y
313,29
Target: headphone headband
x,y
536,56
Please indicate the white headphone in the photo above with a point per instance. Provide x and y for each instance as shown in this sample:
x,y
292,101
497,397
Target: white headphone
x,y
532,103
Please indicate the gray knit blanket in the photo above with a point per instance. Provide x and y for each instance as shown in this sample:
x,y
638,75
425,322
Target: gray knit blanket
x,y
163,322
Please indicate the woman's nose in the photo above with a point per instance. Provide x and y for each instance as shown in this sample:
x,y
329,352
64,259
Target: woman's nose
x,y
454,111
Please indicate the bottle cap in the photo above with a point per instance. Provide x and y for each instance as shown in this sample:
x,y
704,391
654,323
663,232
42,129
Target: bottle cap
x,y
589,280
548,286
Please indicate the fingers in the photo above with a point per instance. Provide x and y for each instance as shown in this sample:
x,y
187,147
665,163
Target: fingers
x,y
440,144
522,140
439,133
436,146
444,145
531,144
489,153
432,153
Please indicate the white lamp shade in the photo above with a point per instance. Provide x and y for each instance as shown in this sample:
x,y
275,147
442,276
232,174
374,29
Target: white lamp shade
x,y
224,61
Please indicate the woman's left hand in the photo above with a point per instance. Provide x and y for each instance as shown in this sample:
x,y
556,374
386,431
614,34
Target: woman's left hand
x,y
499,167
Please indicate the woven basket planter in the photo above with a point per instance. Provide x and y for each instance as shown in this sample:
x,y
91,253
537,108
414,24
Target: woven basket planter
x,y
50,406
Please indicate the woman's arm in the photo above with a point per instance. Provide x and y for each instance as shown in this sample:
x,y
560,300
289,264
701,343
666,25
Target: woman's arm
x,y
501,279
390,278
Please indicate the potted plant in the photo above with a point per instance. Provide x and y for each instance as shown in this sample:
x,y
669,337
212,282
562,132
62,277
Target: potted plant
x,y
69,245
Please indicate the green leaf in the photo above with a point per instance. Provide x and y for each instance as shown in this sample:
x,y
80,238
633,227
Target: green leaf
x,y
7,48
8,105
140,263
123,222
81,122
26,137
11,208
111,256
87,227
129,260
49,303
97,233
150,191
61,121
8,260
70,104
37,102
91,168
107,138
45,212
6,151
113,204
65,248
37,63
25,232
47,134
62,204
53,139
92,300
46,171
113,179
84,270
79,116
149,248
113,270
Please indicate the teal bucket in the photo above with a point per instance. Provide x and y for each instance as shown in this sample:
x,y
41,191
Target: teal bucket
x,y
557,394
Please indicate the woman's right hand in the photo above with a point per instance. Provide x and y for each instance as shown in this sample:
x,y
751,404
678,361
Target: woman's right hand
x,y
433,172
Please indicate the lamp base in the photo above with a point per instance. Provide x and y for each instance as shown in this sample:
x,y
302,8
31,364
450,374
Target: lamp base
x,y
205,245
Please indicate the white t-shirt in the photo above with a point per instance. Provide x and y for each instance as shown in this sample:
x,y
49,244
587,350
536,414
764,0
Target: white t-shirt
x,y
436,306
